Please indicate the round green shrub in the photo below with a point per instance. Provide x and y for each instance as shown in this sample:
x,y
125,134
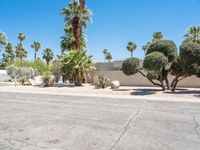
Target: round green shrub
x,y
155,61
166,47
190,52
153,75
130,66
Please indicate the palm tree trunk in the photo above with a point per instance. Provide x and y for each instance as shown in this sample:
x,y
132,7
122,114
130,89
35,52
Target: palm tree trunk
x,y
47,62
131,54
35,56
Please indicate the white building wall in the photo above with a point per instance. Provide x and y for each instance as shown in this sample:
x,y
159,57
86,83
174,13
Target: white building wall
x,y
3,75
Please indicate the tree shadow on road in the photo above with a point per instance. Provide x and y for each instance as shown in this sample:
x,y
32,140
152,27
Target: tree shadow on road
x,y
179,91
142,92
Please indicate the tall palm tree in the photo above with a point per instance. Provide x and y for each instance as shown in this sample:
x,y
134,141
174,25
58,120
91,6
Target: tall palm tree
x,y
77,16
3,39
36,46
145,47
193,34
21,37
105,51
48,55
131,47
20,52
68,42
9,52
157,36
107,55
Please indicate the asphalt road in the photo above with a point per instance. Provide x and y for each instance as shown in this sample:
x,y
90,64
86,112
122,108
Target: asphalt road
x,y
47,122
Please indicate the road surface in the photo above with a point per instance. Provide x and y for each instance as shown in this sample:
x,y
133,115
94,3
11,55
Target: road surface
x,y
48,122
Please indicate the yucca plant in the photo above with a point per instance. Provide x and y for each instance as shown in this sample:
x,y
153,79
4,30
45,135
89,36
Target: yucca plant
x,y
48,81
101,82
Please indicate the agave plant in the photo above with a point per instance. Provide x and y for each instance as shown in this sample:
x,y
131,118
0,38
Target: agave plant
x,y
101,82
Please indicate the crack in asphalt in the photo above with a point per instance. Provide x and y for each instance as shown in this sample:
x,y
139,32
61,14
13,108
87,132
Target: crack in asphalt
x,y
125,130
10,141
196,127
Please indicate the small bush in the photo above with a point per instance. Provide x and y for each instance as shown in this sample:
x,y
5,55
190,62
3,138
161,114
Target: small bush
x,y
39,65
101,82
7,81
56,70
155,61
130,66
48,81
21,74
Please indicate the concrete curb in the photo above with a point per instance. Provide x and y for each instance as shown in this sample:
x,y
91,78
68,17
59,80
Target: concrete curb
x,y
131,97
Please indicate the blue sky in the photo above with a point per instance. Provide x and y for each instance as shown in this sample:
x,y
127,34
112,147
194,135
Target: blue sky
x,y
115,22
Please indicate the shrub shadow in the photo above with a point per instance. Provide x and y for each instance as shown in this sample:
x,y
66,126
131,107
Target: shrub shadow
x,y
57,86
122,90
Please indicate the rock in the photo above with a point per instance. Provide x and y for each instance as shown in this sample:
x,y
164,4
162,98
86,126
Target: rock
x,y
115,85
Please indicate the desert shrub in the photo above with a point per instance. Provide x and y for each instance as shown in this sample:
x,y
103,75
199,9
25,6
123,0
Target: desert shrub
x,y
166,47
56,70
7,81
130,66
47,79
190,52
101,82
20,74
38,65
155,61
75,65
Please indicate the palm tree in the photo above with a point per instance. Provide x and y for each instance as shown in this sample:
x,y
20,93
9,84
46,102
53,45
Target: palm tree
x,y
20,52
145,47
21,37
9,52
107,55
48,55
36,46
193,34
3,39
77,16
131,47
68,42
105,51
157,36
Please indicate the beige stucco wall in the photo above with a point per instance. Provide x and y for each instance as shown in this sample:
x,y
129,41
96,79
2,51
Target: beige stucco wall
x,y
112,71
139,80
